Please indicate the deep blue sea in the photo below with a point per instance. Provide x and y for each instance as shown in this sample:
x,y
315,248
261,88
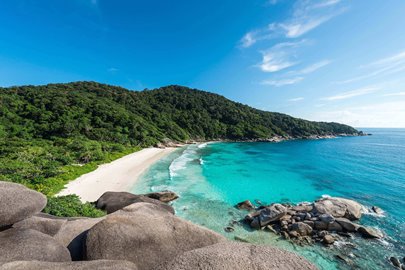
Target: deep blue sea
x,y
211,178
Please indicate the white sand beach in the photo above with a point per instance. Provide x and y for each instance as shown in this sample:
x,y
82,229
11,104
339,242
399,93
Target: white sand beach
x,y
119,175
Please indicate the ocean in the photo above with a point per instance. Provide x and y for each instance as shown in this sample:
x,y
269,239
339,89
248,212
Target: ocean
x,y
211,178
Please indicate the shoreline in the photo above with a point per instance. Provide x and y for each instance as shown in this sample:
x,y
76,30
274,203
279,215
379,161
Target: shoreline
x,y
118,175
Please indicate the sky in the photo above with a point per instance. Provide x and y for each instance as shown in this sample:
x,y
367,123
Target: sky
x,y
324,60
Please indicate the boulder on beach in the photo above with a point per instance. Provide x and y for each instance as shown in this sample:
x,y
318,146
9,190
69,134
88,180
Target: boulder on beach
x,y
146,235
339,207
84,265
114,201
18,202
237,256
163,196
29,245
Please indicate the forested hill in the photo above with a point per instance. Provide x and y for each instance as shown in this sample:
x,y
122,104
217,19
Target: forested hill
x,y
44,128
108,113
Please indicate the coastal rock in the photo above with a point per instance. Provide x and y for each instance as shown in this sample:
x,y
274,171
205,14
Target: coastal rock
x,y
347,224
237,256
301,228
114,201
146,235
163,196
18,202
327,218
73,235
320,225
245,205
335,227
339,207
377,210
395,262
49,226
85,265
303,207
368,232
328,239
28,245
271,213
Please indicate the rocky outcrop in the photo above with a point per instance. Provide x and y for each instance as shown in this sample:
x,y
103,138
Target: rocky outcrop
x,y
163,196
18,202
28,245
324,220
145,236
339,207
114,201
87,265
237,256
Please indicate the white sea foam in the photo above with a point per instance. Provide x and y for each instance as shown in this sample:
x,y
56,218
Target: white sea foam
x,y
202,145
370,212
180,163
325,196
201,161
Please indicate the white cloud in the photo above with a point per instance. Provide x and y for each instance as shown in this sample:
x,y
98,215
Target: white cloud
x,y
300,27
296,99
280,56
306,16
351,94
312,68
278,83
386,66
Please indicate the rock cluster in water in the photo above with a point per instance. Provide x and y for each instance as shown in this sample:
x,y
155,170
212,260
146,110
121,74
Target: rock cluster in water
x,y
140,232
305,223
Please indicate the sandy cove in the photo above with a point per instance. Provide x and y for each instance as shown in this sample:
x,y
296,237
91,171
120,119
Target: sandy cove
x,y
119,175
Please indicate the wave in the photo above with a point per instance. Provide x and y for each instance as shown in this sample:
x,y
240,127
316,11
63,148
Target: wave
x,y
180,163
203,145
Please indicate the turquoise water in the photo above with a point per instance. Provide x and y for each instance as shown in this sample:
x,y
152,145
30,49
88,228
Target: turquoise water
x,y
211,178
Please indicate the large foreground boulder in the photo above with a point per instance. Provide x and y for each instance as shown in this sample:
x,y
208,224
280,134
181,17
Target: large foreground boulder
x,y
18,202
146,235
73,235
237,256
87,265
49,226
339,207
114,201
28,245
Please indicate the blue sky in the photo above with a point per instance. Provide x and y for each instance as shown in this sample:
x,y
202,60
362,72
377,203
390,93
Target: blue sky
x,y
330,60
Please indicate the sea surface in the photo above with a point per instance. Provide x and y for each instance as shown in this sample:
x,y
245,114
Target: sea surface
x,y
212,177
